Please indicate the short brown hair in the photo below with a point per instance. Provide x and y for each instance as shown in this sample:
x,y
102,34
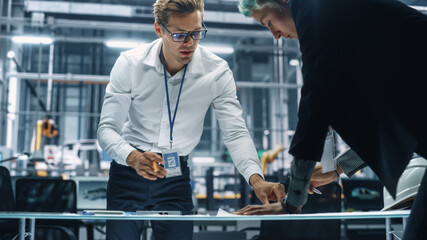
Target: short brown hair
x,y
163,9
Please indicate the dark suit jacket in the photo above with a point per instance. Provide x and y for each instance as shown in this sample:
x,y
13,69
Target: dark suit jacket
x,y
365,74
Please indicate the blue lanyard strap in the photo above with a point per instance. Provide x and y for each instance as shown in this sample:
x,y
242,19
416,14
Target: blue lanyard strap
x,y
171,121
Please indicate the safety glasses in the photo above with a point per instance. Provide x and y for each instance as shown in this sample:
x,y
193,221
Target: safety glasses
x,y
182,37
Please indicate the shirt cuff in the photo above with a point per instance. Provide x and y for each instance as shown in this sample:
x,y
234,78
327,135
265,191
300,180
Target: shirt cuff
x,y
252,171
350,162
123,154
301,171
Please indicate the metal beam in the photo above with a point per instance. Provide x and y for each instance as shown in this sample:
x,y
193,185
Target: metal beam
x,y
124,26
101,40
117,10
104,79
60,114
61,77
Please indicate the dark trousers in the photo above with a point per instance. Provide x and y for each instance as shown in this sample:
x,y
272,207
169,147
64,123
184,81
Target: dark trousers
x,y
128,191
416,229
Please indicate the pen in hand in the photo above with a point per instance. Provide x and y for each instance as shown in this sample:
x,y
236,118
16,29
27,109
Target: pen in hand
x,y
155,167
315,190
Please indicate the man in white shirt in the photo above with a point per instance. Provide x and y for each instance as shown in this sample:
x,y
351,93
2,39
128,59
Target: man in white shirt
x,y
156,103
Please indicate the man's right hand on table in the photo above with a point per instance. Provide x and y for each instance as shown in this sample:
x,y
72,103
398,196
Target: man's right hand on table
x,y
142,162
319,179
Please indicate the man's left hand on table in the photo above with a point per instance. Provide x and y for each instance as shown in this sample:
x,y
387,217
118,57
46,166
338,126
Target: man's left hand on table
x,y
274,208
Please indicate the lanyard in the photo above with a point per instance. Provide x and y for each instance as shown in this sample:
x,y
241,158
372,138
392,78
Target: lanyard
x,y
171,121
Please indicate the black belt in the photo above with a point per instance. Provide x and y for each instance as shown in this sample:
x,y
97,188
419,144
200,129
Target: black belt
x,y
181,158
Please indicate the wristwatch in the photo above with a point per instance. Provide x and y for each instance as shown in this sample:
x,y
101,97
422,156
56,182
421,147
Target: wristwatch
x,y
288,208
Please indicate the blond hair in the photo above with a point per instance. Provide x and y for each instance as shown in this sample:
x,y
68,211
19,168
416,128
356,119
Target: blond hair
x,y
163,9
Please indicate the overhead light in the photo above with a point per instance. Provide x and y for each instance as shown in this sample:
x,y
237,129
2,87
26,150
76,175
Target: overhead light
x,y
122,44
32,40
219,49
11,54
294,62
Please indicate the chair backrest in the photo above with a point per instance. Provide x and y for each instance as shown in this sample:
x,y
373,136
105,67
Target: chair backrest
x,y
7,202
46,195
328,201
8,228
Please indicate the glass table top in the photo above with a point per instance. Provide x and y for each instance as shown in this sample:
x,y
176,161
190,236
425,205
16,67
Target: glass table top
x,y
230,217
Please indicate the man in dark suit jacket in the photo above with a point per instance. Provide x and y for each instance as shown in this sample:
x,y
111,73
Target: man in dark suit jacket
x,y
365,74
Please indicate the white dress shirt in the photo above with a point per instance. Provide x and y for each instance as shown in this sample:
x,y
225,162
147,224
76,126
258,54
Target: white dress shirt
x,y
135,111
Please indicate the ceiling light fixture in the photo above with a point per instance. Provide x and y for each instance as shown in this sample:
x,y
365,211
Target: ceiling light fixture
x,y
11,54
294,62
219,49
32,40
122,44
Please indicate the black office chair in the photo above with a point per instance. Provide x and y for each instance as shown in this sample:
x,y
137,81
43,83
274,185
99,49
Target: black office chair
x,y
328,201
9,227
48,195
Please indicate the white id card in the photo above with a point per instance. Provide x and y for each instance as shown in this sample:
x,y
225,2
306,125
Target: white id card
x,y
327,160
172,164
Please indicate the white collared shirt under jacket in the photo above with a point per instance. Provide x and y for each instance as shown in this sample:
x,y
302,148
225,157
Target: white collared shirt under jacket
x,y
135,112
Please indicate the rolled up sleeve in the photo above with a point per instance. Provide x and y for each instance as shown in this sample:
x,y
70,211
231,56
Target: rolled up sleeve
x,y
115,109
350,162
236,136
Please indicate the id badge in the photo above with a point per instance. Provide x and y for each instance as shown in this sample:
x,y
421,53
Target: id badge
x,y
327,160
172,164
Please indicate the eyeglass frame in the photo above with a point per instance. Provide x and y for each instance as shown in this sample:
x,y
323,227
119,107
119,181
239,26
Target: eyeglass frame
x,y
187,33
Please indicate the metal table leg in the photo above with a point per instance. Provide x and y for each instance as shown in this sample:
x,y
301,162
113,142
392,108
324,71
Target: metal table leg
x,y
388,233
32,228
22,229
404,221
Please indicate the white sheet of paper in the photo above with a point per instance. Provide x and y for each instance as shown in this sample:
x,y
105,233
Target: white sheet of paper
x,y
223,213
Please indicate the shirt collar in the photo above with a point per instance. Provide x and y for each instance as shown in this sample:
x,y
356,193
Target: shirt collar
x,y
196,64
152,59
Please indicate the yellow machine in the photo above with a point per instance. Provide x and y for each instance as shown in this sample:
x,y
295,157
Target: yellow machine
x,y
47,128
270,156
